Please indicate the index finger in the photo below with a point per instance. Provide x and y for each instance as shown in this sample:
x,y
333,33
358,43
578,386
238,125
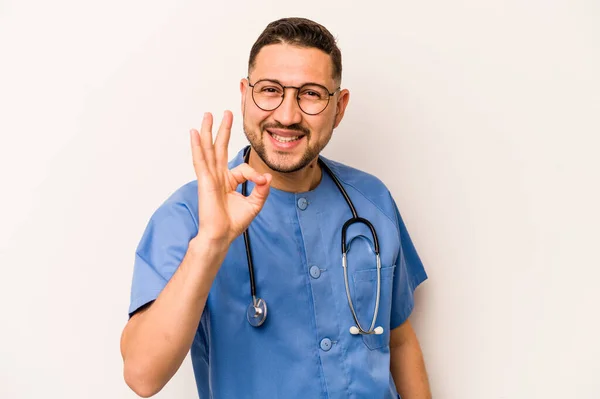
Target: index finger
x,y
222,140
197,155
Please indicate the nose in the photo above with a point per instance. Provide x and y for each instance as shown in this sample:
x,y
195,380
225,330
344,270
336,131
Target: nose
x,y
288,113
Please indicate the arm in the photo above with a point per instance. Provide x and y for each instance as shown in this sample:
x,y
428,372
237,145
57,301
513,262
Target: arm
x,y
407,365
157,338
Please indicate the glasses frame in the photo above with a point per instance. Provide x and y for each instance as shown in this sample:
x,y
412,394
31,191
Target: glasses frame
x,y
297,97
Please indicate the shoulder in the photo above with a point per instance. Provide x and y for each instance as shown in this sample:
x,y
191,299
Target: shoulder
x,y
365,184
187,193
181,204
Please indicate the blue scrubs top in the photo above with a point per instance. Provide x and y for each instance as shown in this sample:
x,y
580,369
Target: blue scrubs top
x,y
304,348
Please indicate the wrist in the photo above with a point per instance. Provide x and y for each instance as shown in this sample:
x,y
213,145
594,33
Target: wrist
x,y
203,260
208,248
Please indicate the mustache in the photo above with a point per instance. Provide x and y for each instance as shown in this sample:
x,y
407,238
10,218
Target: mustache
x,y
295,127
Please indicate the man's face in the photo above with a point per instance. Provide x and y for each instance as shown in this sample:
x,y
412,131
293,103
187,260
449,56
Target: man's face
x,y
287,139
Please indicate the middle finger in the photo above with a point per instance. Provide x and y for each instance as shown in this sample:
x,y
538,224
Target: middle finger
x,y
222,140
206,141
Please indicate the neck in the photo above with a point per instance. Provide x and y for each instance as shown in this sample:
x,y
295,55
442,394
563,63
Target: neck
x,y
305,179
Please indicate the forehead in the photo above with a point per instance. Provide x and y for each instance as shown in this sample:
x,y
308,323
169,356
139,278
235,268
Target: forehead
x,y
293,65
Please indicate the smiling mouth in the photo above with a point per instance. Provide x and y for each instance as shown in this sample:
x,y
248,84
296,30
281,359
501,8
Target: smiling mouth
x,y
283,139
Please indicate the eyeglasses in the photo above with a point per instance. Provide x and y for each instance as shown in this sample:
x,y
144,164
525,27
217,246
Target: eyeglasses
x,y
312,98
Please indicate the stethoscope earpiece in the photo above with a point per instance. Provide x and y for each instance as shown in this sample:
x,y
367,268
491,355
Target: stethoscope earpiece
x,y
355,331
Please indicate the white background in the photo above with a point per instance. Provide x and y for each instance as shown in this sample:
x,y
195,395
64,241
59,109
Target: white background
x,y
481,116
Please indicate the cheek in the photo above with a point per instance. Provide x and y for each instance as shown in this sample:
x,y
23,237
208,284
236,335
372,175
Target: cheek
x,y
254,117
322,127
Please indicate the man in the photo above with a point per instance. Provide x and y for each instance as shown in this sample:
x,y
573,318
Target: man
x,y
192,279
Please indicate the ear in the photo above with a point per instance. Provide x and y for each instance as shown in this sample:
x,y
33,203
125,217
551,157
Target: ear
x,y
340,105
243,88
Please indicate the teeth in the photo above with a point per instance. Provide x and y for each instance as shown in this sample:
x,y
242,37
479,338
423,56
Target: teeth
x,y
284,139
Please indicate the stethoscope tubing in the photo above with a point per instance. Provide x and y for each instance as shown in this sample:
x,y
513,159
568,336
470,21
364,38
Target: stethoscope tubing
x,y
257,311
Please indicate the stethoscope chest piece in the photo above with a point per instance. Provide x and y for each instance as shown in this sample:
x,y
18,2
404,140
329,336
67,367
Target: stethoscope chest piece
x,y
257,312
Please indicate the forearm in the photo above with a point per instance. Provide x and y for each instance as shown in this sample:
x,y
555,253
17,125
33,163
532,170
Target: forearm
x,y
156,341
408,370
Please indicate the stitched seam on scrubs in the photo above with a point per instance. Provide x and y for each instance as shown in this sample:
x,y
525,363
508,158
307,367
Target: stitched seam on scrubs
x,y
414,280
302,251
408,309
192,215
366,197
418,279
374,204
151,266
404,315
143,299
343,348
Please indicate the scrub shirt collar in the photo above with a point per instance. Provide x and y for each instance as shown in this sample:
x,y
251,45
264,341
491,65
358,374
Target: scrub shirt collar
x,y
285,196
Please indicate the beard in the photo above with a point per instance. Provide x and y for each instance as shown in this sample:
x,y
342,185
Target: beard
x,y
284,163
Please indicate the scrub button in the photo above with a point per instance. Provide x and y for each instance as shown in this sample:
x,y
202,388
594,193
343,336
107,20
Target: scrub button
x,y
315,272
302,203
325,344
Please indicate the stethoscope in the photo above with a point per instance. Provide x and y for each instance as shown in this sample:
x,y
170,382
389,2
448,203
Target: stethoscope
x,y
257,310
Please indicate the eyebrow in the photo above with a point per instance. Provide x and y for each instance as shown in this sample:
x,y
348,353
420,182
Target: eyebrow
x,y
303,84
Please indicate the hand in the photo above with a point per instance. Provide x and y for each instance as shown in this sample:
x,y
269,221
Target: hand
x,y
223,213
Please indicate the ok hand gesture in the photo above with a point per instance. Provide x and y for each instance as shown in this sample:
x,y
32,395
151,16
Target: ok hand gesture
x,y
224,214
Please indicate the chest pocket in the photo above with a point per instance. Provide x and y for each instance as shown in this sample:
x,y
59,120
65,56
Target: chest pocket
x,y
365,291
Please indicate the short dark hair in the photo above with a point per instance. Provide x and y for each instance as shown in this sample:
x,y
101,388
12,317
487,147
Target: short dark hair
x,y
299,32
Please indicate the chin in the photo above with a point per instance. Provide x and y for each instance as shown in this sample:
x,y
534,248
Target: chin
x,y
283,163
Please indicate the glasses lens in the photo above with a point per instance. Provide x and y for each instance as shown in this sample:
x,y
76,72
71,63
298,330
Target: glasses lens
x,y
267,95
313,98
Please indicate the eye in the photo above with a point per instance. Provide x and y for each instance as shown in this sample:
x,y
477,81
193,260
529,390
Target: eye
x,y
313,93
270,91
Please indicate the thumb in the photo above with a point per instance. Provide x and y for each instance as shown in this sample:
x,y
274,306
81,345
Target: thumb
x,y
260,192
